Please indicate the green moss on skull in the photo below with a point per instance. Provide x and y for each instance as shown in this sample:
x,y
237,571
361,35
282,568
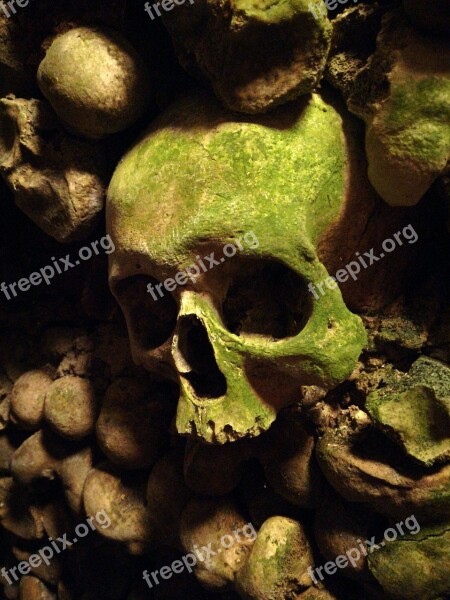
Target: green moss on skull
x,y
250,172
201,178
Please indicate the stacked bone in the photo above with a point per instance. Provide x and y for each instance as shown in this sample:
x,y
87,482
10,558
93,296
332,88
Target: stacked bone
x,y
300,498
84,431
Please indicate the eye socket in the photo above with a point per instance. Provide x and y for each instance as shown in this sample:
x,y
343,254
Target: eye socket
x,y
151,322
266,298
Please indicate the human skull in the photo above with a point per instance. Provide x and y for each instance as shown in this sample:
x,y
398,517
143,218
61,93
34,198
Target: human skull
x,y
242,334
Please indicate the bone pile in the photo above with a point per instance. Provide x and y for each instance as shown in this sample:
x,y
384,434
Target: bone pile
x,y
234,437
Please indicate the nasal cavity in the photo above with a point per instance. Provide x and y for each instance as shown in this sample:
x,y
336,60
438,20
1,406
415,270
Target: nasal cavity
x,y
194,345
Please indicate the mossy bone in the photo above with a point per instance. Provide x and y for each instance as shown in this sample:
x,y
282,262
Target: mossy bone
x,y
241,337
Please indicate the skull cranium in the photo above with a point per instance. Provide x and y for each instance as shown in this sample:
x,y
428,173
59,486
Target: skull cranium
x,y
243,336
